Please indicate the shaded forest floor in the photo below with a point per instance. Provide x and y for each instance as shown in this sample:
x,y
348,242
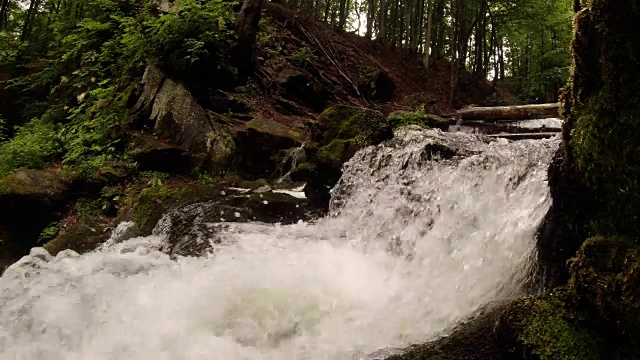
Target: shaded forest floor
x,y
344,63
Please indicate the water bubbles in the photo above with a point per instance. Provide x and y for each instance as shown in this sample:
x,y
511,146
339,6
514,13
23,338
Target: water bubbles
x,y
412,247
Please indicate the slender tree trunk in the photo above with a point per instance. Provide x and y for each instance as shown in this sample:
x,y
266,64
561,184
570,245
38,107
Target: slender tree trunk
x,y
427,36
4,14
371,14
382,14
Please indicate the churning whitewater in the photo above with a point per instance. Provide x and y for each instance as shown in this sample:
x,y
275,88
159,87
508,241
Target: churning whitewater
x,y
424,230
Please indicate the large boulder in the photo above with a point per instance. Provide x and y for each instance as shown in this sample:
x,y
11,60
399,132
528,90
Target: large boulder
x,y
29,201
376,85
340,131
260,142
178,118
299,84
153,154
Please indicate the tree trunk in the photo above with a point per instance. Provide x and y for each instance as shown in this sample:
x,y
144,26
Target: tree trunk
x,y
371,14
247,24
382,14
4,14
427,36
506,113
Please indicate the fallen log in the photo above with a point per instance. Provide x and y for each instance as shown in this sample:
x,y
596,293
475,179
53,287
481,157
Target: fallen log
x,y
512,113
526,136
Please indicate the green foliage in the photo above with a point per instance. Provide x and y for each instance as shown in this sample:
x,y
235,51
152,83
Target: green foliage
x,y
34,146
303,56
200,30
268,41
205,178
49,232
418,117
155,177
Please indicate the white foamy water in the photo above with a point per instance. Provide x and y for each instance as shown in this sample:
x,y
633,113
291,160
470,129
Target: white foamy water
x,y
413,247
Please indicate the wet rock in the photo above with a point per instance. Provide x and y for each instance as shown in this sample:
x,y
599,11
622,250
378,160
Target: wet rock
x,y
153,154
152,81
84,236
156,201
376,85
298,84
339,133
259,144
193,229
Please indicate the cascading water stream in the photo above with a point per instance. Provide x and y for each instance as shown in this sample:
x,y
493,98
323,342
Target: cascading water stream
x,y
424,230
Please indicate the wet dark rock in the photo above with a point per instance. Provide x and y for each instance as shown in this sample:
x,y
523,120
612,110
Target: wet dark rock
x,y
84,236
153,154
376,85
195,213
299,84
259,144
252,185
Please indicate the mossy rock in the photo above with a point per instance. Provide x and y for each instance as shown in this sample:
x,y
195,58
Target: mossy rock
x,y
336,153
154,202
404,118
605,276
259,143
364,126
278,131
545,328
31,183
84,236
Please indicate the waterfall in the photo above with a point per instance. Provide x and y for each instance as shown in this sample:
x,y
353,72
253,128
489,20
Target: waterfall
x,y
423,231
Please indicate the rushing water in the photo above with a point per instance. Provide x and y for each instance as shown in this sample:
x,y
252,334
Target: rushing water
x,y
423,231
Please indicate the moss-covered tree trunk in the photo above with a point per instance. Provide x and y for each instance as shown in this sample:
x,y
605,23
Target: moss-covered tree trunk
x,y
602,108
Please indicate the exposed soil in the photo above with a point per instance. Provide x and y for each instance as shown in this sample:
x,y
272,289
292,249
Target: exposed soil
x,y
339,60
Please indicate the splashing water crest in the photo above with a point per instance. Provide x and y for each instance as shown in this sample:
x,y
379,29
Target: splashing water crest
x,y
424,230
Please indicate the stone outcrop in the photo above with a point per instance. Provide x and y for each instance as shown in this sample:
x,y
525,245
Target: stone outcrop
x,y
340,131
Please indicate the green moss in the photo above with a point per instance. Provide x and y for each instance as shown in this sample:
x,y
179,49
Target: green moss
x,y
49,232
364,126
405,118
545,328
155,201
605,277
336,152
274,128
